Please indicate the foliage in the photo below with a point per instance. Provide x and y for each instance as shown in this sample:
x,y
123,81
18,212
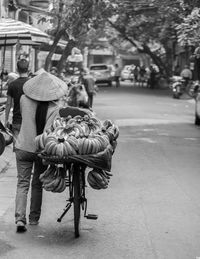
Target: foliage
x,y
72,20
189,29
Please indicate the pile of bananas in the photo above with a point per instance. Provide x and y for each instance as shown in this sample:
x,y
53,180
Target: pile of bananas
x,y
53,179
77,135
98,179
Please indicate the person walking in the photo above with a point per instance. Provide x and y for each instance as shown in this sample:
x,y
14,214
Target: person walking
x,y
39,107
14,93
89,84
117,75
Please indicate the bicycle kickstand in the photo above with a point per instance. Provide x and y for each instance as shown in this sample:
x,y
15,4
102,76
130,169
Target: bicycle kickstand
x,y
68,206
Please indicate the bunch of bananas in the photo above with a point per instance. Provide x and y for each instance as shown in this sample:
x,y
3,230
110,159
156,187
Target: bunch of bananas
x,y
53,179
78,135
98,179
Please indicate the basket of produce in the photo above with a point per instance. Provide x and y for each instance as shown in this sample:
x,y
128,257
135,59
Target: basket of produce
x,y
83,139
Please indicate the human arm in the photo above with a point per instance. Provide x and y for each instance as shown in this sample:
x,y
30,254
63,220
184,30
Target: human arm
x,y
7,110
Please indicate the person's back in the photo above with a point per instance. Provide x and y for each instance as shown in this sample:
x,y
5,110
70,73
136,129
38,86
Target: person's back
x,y
14,93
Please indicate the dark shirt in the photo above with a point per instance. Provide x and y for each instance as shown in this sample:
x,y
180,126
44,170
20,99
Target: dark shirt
x,y
15,90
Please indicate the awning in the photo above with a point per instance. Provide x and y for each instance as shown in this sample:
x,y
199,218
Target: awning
x,y
12,31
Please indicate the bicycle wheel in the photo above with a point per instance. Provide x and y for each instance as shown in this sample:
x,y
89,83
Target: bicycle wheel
x,y
77,199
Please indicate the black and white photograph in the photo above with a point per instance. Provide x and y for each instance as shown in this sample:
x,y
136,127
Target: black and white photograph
x,y
100,129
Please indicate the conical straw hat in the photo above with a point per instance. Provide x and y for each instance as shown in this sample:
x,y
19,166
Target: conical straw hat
x,y
40,71
45,87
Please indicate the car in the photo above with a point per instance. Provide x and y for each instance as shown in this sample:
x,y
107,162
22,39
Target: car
x,y
126,73
101,73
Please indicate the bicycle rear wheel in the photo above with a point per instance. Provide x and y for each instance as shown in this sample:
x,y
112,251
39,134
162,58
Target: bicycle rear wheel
x,y
77,199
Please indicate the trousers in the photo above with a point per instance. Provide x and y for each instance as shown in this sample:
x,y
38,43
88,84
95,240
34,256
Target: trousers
x,y
26,161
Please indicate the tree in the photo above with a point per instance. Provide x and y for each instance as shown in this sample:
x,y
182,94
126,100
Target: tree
x,y
72,20
144,23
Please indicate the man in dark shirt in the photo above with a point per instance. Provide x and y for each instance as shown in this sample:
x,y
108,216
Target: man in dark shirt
x,y
14,93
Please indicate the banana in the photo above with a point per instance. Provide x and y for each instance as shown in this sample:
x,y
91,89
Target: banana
x,y
51,136
97,176
59,185
44,137
60,150
103,173
116,132
89,148
80,145
97,144
94,145
41,141
73,142
50,186
63,186
69,148
49,179
54,150
96,120
106,139
84,146
46,173
86,117
59,131
81,131
37,143
65,149
73,151
77,132
71,121
85,128
102,143
49,146
78,117
92,182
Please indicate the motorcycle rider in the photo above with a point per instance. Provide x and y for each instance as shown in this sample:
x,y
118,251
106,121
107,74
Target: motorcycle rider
x,y
186,74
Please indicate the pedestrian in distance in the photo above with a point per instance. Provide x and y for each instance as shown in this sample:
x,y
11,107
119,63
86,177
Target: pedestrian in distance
x,y
117,75
89,84
39,107
14,93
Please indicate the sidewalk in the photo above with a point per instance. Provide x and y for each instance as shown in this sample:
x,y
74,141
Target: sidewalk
x,y
8,179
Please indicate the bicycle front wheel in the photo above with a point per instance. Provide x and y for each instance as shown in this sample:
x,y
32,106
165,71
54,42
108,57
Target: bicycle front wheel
x,y
77,199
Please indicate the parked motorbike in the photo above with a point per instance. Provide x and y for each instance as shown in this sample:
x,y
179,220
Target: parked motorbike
x,y
178,86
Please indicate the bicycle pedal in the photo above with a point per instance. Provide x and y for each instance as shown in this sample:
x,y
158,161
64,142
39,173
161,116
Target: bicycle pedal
x,y
91,216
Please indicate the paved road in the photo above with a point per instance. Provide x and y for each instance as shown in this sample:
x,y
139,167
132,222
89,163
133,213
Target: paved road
x,y
151,209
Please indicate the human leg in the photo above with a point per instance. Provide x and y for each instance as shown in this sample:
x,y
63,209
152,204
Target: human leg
x,y
24,167
90,100
36,191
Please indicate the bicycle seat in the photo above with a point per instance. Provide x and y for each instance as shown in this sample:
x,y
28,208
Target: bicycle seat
x,y
73,111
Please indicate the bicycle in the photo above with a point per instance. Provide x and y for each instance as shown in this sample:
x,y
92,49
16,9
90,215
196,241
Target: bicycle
x,y
75,181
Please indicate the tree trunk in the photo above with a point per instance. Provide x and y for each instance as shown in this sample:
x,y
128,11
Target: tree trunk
x,y
66,53
53,49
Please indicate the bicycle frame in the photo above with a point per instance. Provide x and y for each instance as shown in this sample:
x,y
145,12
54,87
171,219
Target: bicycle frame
x,y
75,180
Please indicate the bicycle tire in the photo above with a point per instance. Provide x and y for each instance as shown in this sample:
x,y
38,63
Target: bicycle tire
x,y
77,199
